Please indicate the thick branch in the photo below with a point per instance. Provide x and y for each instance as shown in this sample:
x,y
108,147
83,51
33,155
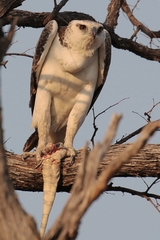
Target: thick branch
x,y
87,187
113,13
134,47
26,178
11,213
7,5
36,20
55,11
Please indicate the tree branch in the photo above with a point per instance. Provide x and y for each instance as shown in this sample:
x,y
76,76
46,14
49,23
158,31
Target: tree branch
x,y
87,187
134,47
36,20
113,13
7,5
11,213
138,24
26,178
131,191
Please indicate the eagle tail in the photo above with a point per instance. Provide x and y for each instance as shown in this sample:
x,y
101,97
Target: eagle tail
x,y
31,142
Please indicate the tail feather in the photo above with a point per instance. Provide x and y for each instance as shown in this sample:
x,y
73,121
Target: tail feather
x,y
31,142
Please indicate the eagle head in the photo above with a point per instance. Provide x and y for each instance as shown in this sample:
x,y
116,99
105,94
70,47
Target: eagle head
x,y
84,35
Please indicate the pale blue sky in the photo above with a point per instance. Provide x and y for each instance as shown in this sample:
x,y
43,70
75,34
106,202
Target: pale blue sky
x,y
112,216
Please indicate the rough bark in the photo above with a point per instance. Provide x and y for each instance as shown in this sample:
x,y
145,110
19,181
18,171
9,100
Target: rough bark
x,y
15,223
26,178
7,5
37,20
87,187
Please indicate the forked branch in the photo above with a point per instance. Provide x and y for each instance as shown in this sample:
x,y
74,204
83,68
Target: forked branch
x,y
87,187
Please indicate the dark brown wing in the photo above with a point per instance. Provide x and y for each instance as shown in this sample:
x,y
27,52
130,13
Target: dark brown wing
x,y
107,61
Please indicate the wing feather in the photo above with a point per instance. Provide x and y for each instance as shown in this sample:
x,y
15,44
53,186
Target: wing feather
x,y
104,63
47,37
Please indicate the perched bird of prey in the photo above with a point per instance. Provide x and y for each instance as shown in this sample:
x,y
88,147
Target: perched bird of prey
x,y
69,70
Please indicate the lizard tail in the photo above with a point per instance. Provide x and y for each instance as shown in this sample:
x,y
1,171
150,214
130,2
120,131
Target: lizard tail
x,y
51,175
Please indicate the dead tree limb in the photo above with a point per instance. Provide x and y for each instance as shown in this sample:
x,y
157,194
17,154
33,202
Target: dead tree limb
x,y
37,20
139,25
8,5
26,178
11,213
87,187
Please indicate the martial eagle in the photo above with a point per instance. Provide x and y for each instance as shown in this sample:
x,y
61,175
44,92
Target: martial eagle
x,y
69,69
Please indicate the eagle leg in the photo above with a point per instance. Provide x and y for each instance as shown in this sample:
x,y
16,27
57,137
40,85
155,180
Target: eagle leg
x,y
71,152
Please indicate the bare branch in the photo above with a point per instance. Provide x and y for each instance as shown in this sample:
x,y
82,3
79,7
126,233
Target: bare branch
x,y
151,185
4,64
57,8
11,211
19,54
134,47
133,134
135,6
155,205
139,115
110,188
113,13
36,20
87,187
148,114
121,159
138,24
66,226
145,195
96,116
8,5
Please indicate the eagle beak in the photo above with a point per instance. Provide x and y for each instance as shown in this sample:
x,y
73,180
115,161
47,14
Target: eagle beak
x,y
94,32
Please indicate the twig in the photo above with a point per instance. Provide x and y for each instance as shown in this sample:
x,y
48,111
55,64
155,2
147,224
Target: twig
x,y
150,200
113,13
116,163
135,6
145,194
67,223
148,114
55,3
133,134
110,187
19,54
4,64
6,140
56,9
137,23
139,115
95,117
95,128
153,183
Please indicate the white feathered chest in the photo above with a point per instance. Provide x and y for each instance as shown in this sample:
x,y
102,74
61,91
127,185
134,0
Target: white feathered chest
x,y
69,69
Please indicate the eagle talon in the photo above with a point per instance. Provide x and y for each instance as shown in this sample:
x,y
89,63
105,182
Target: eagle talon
x,y
26,155
72,160
71,152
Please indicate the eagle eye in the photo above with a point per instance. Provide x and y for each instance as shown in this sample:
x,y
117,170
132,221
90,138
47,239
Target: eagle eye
x,y
82,27
100,29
